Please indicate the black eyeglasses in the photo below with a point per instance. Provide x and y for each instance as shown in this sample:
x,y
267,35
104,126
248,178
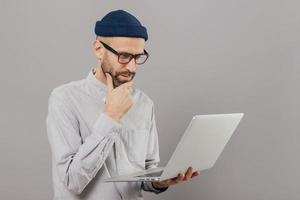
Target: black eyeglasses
x,y
125,58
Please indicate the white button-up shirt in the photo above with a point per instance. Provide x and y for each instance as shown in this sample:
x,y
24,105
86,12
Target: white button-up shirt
x,y
88,146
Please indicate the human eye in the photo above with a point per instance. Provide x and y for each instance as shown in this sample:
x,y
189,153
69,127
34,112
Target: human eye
x,y
125,55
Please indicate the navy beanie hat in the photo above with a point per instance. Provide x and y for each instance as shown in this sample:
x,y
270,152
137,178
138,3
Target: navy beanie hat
x,y
120,23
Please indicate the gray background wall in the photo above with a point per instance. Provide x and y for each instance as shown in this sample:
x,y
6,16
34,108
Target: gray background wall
x,y
207,56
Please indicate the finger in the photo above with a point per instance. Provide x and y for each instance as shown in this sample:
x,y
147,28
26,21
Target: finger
x,y
188,173
172,180
196,173
127,85
109,82
179,178
127,92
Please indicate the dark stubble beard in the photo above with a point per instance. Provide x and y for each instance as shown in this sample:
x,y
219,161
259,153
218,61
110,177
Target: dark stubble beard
x,y
116,81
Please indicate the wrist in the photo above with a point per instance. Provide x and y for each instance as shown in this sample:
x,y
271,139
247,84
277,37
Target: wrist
x,y
112,115
158,186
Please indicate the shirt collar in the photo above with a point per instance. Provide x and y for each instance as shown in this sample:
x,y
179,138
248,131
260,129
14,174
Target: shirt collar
x,y
95,82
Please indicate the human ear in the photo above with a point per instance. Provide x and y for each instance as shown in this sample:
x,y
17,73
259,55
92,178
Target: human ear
x,y
98,49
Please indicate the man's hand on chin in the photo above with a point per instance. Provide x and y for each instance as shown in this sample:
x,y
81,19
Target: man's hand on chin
x,y
180,178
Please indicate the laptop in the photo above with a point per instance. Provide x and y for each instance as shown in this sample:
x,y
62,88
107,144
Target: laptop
x,y
200,146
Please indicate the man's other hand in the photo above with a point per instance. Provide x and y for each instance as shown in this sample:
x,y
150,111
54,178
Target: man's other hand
x,y
181,177
118,100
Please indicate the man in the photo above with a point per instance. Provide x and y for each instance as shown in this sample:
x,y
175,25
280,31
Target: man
x,y
102,126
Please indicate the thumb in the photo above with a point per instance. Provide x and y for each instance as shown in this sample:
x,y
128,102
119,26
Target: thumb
x,y
109,82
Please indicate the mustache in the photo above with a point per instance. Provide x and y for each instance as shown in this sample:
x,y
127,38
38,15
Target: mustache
x,y
126,73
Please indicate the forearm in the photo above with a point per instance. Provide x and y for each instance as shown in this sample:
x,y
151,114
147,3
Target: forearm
x,y
77,168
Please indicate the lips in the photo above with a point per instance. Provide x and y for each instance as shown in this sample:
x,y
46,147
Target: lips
x,y
126,76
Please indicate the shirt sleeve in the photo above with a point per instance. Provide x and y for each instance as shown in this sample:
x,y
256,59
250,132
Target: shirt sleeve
x,y
152,158
77,162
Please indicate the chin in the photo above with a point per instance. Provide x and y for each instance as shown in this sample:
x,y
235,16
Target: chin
x,y
118,83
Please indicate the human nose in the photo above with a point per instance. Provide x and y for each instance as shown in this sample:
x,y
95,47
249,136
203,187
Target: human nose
x,y
131,66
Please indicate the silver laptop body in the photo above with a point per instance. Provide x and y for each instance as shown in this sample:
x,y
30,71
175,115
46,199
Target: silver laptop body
x,y
200,146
